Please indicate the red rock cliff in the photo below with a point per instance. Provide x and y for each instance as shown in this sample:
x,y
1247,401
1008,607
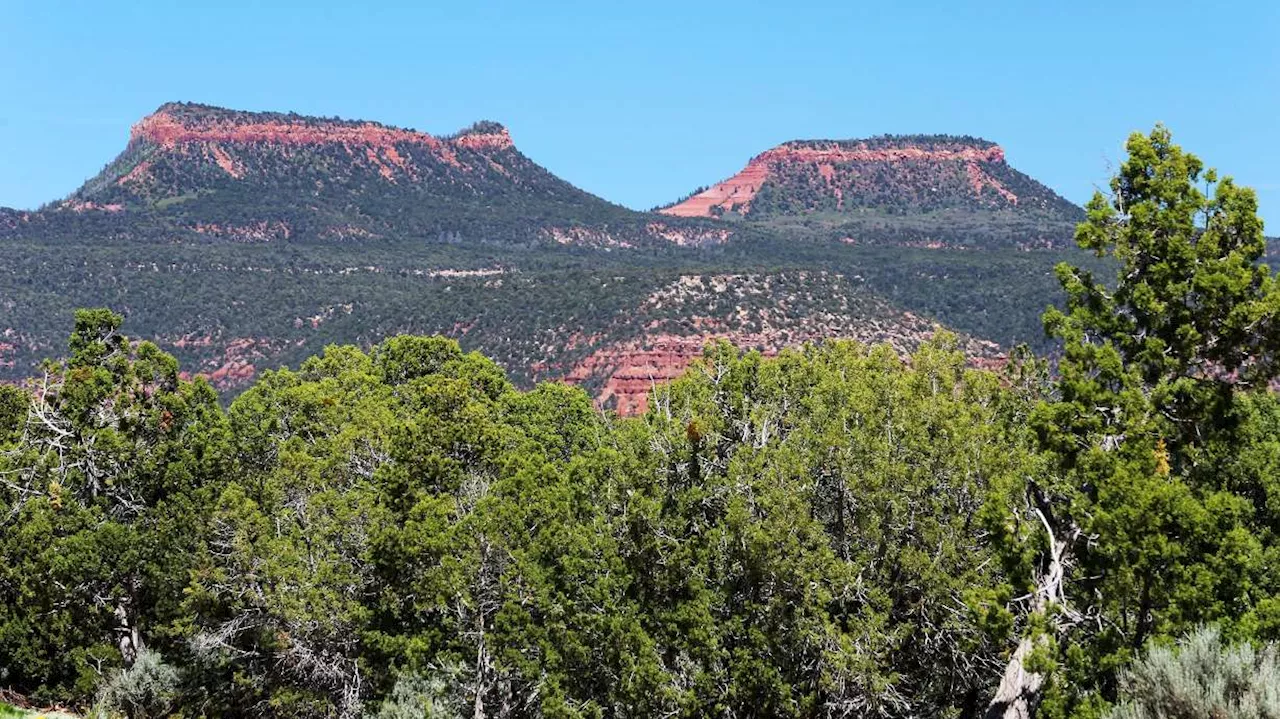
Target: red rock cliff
x,y
168,129
742,188
218,135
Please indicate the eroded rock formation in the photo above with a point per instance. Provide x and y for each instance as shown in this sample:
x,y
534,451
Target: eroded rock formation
x,y
768,313
843,166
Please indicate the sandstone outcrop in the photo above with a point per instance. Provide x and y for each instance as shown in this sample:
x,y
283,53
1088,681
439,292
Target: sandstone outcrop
x,y
841,167
220,136
764,312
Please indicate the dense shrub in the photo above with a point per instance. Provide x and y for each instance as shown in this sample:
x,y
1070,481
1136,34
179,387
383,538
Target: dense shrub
x,y
1202,677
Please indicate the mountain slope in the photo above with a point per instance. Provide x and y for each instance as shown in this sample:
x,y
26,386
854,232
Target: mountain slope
x,y
200,173
768,312
246,241
923,190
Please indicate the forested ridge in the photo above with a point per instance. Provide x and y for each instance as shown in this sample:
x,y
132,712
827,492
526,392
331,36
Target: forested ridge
x,y
837,531
245,241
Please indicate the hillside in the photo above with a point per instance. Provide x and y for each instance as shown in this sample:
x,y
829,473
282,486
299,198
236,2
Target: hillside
x,y
244,241
914,190
196,173
893,527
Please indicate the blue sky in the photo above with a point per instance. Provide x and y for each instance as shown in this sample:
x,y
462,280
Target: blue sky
x,y
641,102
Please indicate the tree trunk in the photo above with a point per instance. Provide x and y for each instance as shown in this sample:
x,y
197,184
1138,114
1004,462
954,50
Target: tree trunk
x,y
1019,688
127,625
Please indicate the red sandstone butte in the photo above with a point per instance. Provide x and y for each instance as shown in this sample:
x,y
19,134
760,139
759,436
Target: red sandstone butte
x,y
163,129
742,188
496,140
214,135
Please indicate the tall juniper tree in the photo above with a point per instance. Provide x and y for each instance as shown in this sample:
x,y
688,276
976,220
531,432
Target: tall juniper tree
x,y
1147,522
106,471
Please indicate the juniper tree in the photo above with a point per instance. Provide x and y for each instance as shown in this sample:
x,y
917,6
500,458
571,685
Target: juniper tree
x,y
106,470
1145,521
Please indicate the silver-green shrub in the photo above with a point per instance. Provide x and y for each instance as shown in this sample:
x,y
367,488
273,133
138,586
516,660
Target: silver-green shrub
x,y
145,690
436,695
1201,678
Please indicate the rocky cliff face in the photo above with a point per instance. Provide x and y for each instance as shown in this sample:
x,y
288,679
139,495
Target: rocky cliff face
x,y
174,124
228,140
667,332
893,174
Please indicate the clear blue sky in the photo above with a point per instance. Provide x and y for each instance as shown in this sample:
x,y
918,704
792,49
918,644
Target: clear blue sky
x,y
640,102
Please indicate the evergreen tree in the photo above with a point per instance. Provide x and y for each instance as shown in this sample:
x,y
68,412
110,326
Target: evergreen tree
x,y
107,474
1146,522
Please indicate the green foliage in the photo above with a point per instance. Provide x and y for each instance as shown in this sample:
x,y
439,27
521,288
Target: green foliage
x,y
1157,429
13,413
11,712
1202,677
832,531
546,313
1191,300
102,508
839,519
405,529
